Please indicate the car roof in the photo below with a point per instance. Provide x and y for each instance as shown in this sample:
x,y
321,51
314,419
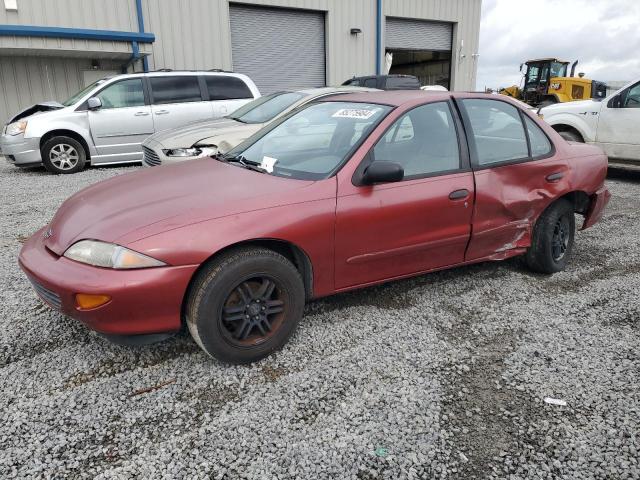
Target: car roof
x,y
340,89
396,98
393,98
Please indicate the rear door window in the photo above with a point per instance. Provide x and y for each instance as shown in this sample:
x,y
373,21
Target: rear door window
x,y
175,89
223,87
498,133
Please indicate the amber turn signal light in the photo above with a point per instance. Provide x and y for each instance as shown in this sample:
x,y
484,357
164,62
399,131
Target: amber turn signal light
x,y
85,301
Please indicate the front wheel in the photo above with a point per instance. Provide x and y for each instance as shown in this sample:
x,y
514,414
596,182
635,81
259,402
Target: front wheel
x,y
63,155
245,304
553,237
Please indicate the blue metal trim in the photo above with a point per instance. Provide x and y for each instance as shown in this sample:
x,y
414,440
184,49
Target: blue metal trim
x,y
140,14
78,33
379,37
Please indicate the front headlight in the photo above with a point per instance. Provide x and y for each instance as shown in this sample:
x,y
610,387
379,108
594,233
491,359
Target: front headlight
x,y
190,152
183,152
16,128
109,255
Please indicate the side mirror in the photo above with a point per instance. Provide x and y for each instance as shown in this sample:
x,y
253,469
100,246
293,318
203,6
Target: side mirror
x,y
94,103
382,172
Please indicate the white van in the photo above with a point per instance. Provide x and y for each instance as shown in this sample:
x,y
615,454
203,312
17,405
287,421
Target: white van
x,y
106,122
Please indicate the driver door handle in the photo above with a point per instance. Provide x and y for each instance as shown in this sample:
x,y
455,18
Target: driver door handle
x,y
162,112
459,194
554,177
141,114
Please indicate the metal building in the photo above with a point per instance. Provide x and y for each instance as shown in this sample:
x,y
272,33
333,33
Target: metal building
x,y
49,49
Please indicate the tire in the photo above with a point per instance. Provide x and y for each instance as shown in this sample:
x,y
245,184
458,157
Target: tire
x,y
571,136
235,315
553,238
62,155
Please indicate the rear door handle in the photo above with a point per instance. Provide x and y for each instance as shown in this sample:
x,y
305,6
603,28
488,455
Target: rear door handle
x,y
554,177
459,194
162,112
141,114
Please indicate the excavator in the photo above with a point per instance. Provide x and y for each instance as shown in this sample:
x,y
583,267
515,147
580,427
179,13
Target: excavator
x,y
546,82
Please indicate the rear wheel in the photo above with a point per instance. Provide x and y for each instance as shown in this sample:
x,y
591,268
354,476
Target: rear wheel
x,y
245,304
553,237
570,136
63,155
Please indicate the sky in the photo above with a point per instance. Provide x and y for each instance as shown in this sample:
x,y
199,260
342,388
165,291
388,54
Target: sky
x,y
604,35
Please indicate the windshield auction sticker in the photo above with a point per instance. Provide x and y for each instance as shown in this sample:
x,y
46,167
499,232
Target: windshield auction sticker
x,y
268,163
358,113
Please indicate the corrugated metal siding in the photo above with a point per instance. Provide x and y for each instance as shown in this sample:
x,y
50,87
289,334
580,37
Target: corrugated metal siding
x,y
95,14
197,33
278,48
28,80
190,34
98,14
412,34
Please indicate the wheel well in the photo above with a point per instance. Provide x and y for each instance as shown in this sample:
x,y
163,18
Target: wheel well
x,y
580,201
66,133
288,250
567,128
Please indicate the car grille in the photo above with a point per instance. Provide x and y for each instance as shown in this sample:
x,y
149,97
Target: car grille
x,y
150,157
51,297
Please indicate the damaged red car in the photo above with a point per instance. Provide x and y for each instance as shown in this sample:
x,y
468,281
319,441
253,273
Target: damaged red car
x,y
350,191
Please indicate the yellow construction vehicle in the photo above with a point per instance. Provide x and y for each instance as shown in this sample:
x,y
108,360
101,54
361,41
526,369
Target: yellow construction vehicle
x,y
545,82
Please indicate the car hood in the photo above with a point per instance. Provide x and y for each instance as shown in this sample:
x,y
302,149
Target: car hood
x,y
572,107
36,108
133,206
189,135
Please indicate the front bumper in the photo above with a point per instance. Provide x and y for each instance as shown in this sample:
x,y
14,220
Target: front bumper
x,y
22,152
144,301
599,201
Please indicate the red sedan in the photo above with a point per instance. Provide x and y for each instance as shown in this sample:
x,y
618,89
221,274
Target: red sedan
x,y
351,191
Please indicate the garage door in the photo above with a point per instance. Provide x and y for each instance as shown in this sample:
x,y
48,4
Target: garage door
x,y
408,34
278,48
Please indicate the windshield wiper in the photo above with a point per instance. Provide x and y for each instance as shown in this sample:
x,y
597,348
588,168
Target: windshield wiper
x,y
248,164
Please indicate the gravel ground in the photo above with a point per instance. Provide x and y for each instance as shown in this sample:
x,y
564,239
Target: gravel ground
x,y
442,376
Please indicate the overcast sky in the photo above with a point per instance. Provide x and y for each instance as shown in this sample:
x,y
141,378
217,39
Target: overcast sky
x,y
604,35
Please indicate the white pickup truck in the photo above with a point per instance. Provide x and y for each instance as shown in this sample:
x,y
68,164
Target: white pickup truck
x,y
613,123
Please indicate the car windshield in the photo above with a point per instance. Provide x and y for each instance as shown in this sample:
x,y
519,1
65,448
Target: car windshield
x,y
265,109
312,143
77,96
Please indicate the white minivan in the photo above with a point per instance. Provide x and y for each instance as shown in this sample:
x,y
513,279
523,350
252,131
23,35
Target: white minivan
x,y
106,122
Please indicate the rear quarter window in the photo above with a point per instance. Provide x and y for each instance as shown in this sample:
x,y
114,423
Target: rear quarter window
x,y
222,87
